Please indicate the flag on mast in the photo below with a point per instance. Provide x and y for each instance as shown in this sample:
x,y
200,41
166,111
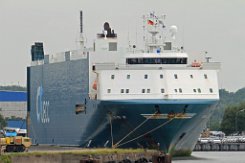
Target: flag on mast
x,y
150,22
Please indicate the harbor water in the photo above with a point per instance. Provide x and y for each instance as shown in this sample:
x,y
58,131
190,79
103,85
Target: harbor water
x,y
213,157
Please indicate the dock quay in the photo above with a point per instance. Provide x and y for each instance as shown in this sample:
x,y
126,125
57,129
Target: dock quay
x,y
56,155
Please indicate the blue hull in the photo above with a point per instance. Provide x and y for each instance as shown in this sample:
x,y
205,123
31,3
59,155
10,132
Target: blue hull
x,y
176,134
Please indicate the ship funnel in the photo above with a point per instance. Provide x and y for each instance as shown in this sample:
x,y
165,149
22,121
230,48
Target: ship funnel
x,y
37,52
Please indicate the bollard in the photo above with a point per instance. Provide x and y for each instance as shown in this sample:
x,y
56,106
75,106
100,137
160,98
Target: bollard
x,y
162,158
89,160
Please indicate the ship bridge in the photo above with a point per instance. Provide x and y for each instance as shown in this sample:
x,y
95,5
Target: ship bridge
x,y
157,58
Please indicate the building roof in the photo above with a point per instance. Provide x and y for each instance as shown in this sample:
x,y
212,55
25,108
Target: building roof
x,y
13,96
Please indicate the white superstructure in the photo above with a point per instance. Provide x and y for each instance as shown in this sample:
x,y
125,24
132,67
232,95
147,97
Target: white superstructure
x,y
159,72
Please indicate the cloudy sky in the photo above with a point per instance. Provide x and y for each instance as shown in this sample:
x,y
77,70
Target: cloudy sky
x,y
216,26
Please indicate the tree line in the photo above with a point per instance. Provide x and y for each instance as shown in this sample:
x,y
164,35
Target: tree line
x,y
225,114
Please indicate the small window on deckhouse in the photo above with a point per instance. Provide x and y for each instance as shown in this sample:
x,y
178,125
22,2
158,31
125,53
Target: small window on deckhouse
x,y
148,91
199,90
162,90
180,90
175,76
205,76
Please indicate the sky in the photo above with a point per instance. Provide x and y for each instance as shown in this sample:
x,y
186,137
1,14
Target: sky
x,y
215,26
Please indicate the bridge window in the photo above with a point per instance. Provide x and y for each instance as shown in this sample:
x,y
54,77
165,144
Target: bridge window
x,y
128,76
161,76
194,90
146,76
191,76
175,90
122,90
211,90
112,76
182,60
162,90
143,90
127,90
108,90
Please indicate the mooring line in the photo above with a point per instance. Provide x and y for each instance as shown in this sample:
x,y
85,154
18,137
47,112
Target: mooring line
x,y
116,145
154,129
111,131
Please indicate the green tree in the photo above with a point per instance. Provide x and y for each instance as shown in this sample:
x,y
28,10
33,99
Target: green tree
x,y
3,123
13,88
234,119
226,99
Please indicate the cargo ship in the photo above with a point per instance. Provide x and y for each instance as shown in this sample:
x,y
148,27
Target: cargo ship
x,y
109,96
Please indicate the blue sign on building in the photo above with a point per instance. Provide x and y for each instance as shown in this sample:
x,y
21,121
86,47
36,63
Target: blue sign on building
x,y
12,96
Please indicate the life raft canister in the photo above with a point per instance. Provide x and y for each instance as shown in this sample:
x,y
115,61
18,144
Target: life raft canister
x,y
196,64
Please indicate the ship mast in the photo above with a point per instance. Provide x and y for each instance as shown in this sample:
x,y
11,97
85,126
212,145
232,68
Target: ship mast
x,y
154,24
81,40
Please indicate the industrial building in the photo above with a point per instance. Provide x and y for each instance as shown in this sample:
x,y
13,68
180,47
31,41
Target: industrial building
x,y
13,104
